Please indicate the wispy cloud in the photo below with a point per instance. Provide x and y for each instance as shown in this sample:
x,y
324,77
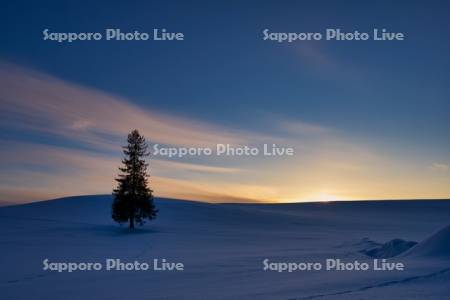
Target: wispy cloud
x,y
302,128
35,101
440,167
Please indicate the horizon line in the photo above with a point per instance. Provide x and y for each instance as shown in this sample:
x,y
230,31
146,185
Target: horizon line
x,y
5,203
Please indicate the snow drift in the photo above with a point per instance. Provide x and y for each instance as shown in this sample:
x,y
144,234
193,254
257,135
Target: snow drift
x,y
437,246
390,249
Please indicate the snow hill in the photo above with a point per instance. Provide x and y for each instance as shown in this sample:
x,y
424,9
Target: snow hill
x,y
222,247
437,245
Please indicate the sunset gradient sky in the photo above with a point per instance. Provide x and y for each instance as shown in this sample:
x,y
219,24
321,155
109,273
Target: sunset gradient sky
x,y
367,120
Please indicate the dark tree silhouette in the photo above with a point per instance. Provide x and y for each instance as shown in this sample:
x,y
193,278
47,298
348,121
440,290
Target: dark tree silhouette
x,y
133,199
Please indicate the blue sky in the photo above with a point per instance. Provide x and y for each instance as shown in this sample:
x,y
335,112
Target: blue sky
x,y
391,98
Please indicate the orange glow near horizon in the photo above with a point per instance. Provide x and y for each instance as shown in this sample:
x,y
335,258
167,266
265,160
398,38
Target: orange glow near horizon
x,y
328,165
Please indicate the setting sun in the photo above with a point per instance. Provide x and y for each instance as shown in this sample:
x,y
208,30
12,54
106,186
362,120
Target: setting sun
x,y
324,197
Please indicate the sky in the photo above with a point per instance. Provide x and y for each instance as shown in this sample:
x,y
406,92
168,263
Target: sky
x,y
367,119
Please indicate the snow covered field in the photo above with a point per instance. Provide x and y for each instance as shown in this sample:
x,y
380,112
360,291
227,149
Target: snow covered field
x,y
223,248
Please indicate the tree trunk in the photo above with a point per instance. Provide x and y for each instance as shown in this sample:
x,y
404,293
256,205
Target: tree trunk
x,y
132,222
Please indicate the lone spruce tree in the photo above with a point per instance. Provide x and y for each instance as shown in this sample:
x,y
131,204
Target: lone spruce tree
x,y
133,199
